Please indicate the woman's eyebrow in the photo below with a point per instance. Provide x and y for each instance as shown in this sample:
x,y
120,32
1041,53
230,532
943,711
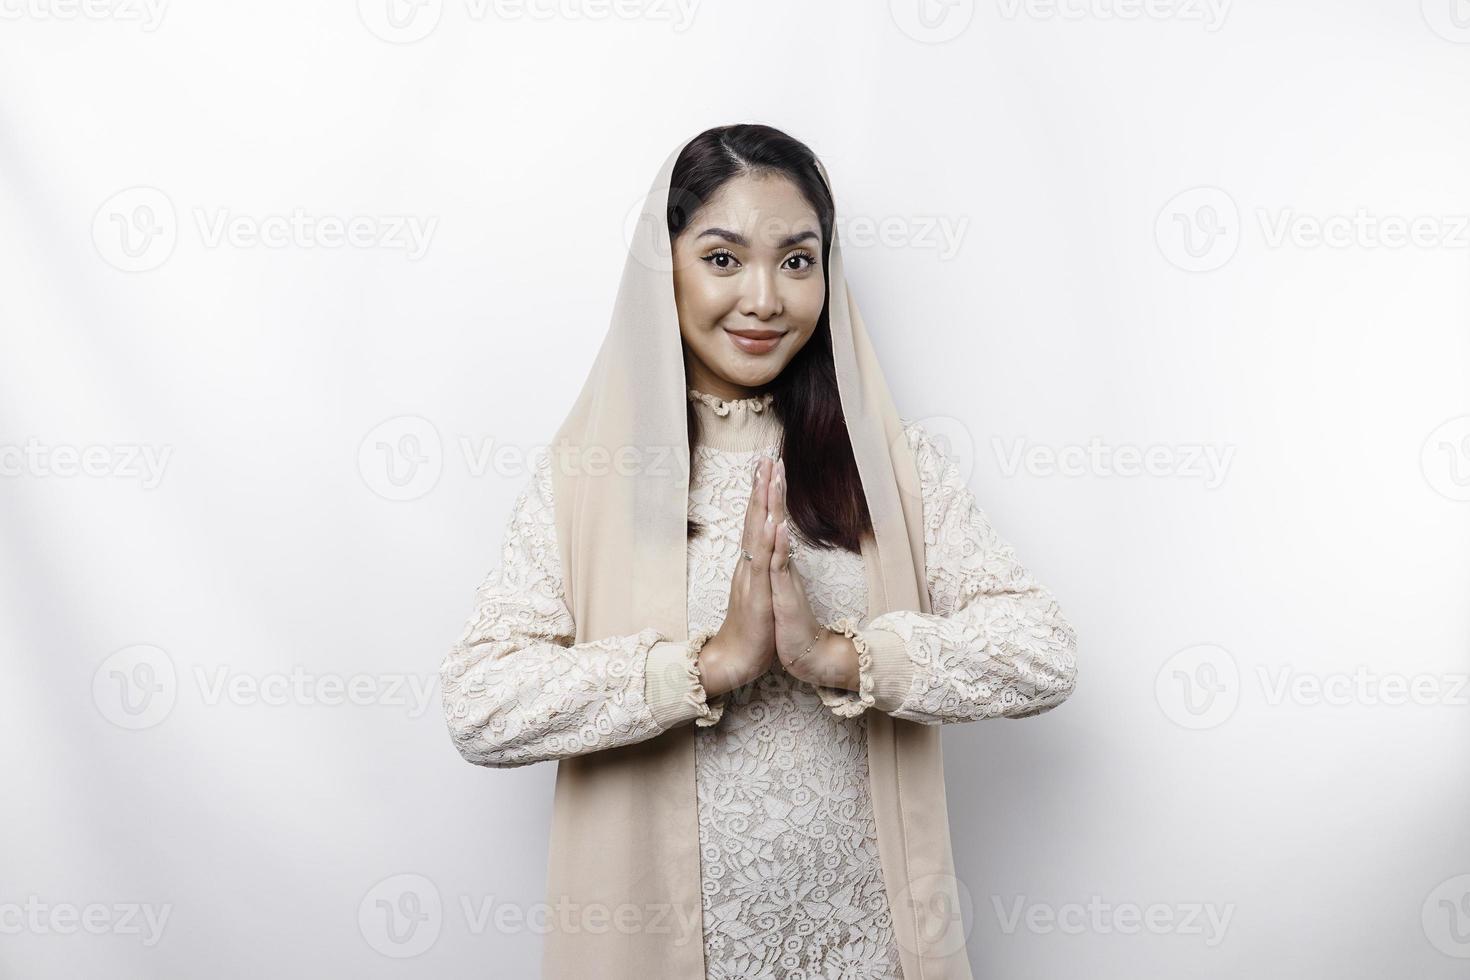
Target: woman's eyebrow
x,y
735,238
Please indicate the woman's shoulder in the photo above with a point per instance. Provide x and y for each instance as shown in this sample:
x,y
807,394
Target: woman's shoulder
x,y
534,506
933,444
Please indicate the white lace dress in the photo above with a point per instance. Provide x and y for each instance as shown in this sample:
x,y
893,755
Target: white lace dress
x,y
792,885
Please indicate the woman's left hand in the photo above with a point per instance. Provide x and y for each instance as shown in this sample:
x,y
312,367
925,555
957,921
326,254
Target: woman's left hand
x,y
833,660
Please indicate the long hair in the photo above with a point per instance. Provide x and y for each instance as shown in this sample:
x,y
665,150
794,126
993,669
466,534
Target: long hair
x,y
824,495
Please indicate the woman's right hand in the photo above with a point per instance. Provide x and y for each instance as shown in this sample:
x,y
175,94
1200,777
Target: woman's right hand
x,y
745,646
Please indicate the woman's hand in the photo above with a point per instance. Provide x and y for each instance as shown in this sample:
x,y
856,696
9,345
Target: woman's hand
x,y
832,661
745,646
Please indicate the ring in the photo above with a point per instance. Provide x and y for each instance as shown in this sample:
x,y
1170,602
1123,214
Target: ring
x,y
746,555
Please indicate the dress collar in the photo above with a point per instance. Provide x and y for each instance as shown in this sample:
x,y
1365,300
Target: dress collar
x,y
736,424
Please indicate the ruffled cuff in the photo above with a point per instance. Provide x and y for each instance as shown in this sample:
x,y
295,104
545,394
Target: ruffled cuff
x,y
893,668
672,687
845,703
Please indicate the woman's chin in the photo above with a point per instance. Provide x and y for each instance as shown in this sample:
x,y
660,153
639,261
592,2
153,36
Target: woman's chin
x,y
751,375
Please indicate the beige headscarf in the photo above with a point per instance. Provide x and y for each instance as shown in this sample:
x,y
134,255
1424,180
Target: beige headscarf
x,y
625,820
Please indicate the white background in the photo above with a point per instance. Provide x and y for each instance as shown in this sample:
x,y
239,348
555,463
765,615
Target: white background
x,y
324,494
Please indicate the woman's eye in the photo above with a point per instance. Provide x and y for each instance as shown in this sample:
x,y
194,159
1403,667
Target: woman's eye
x,y
722,259
725,260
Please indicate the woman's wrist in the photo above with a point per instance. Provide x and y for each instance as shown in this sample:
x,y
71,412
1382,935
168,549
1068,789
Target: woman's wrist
x,y
716,673
833,662
711,674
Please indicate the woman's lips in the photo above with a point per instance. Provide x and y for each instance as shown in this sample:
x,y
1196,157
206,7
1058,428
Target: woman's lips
x,y
754,342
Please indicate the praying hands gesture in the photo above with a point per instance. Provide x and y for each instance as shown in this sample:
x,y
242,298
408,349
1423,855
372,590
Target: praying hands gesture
x,y
769,619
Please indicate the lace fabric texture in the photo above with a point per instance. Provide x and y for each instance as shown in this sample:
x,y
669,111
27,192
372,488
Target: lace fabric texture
x,y
995,644
791,880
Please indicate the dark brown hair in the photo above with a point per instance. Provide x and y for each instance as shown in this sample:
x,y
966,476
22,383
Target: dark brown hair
x,y
824,494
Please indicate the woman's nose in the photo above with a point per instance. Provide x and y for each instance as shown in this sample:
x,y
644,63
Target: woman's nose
x,y
761,298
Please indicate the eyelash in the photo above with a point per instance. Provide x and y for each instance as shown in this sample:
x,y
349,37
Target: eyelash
x,y
811,259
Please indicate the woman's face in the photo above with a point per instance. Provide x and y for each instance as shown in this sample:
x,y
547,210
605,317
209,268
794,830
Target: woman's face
x,y
748,284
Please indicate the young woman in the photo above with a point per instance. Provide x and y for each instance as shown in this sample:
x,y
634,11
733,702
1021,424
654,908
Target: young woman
x,y
817,591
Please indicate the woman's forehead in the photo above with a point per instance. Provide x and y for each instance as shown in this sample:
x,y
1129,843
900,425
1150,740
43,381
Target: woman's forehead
x,y
768,212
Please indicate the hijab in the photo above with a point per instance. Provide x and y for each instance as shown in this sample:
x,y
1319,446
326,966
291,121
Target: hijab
x,y
625,820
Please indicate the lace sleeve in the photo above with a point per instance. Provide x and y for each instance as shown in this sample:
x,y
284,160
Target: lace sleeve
x,y
517,690
995,644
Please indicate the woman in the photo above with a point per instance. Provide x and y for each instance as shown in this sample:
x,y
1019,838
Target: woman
x,y
817,592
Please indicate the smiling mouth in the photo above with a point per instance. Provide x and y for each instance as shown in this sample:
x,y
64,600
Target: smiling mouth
x,y
755,341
